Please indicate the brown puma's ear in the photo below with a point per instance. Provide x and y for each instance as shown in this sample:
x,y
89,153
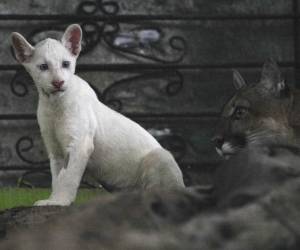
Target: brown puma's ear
x,y
271,71
238,80
22,49
72,39
271,79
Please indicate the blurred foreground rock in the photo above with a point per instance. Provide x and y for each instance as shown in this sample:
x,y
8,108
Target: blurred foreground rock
x,y
24,217
255,206
178,221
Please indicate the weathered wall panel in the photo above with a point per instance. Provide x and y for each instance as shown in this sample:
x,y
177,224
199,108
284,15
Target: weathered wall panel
x,y
192,92
167,69
156,7
199,42
21,144
207,7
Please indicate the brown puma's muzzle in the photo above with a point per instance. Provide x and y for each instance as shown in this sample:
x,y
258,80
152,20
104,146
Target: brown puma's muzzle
x,y
256,113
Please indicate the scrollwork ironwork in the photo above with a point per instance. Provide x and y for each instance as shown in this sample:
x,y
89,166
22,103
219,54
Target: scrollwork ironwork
x,y
22,182
150,42
43,32
26,179
91,7
174,85
25,144
153,50
175,144
19,84
92,33
174,79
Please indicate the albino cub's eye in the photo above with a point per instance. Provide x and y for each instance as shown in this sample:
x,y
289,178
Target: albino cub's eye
x,y
66,64
43,66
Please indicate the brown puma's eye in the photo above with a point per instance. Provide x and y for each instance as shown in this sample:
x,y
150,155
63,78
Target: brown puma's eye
x,y
240,113
43,67
66,64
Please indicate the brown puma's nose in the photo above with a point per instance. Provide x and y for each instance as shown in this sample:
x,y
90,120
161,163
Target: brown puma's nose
x,y
57,84
218,140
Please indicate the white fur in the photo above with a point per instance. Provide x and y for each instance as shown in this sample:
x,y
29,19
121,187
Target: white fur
x,y
226,150
78,130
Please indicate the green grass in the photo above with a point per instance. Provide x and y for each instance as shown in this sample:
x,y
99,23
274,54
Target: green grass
x,y
16,197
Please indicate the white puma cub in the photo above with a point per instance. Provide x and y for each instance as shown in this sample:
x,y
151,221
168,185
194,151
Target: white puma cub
x,y
78,130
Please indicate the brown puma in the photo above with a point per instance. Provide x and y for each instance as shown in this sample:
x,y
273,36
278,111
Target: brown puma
x,y
259,112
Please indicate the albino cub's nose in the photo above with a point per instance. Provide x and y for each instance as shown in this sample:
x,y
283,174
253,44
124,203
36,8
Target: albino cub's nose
x,y
57,84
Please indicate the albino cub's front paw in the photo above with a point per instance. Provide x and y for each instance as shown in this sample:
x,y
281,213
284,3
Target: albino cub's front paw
x,y
51,203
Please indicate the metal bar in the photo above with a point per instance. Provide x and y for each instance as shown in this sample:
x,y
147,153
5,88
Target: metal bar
x,y
138,117
146,66
17,116
296,45
132,18
24,167
202,166
136,67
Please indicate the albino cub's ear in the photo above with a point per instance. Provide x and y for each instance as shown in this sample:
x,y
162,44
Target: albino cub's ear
x,y
23,50
238,80
72,39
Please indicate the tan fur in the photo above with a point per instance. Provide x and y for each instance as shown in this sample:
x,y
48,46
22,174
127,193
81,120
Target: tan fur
x,y
264,111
